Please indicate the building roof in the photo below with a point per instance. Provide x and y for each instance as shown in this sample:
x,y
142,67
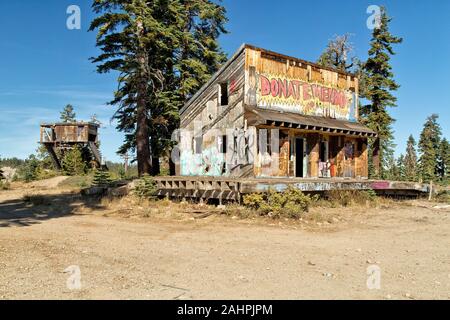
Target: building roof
x,y
261,116
63,124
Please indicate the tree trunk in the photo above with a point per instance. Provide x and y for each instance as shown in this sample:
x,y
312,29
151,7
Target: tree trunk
x,y
142,141
142,132
172,167
376,156
156,167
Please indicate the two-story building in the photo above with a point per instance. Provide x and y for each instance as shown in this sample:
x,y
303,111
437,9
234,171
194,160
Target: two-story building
x,y
264,114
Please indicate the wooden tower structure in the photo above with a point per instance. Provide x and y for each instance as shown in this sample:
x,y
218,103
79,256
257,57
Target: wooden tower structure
x,y
60,137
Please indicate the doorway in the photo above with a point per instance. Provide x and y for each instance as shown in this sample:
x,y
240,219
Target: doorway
x,y
299,155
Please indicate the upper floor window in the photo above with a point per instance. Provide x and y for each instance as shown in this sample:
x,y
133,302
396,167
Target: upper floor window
x,y
224,94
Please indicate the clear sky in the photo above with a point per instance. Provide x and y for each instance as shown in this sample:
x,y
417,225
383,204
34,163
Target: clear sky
x,y
44,65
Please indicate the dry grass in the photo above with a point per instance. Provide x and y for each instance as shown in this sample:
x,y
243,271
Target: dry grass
x,y
131,206
323,211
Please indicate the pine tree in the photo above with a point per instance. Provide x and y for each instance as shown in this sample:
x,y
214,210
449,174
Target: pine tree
x,y
68,115
30,170
429,148
444,161
379,84
401,175
131,39
410,160
164,51
146,187
44,157
201,23
391,172
73,163
337,54
102,178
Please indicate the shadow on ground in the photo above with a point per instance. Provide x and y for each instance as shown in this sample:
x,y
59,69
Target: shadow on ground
x,y
35,209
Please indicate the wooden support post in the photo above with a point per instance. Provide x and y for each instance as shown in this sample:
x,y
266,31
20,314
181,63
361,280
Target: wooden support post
x,y
314,142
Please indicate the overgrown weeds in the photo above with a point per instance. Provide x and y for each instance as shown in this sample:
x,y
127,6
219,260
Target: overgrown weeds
x,y
77,182
443,196
347,198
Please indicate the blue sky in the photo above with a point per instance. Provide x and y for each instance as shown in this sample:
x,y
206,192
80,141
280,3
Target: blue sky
x,y
45,66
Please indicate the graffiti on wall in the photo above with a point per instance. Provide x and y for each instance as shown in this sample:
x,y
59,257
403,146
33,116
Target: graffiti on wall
x,y
303,97
213,153
208,163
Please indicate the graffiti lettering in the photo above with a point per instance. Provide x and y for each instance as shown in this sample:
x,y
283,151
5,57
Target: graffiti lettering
x,y
306,98
291,89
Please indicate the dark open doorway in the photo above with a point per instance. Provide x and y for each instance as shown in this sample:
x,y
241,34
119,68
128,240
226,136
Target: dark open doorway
x,y
299,154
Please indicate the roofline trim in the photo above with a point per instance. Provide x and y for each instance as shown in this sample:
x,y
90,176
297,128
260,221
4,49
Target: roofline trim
x,y
298,60
69,124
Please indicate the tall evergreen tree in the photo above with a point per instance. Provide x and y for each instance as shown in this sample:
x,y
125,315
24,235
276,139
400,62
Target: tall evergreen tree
x,y
199,54
164,50
429,148
378,89
68,115
401,176
444,161
131,38
410,160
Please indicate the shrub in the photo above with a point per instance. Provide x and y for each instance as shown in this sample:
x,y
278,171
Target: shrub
x,y
253,200
73,163
291,203
101,178
29,171
145,187
4,185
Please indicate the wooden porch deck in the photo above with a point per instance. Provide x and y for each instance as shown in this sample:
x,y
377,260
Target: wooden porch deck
x,y
233,188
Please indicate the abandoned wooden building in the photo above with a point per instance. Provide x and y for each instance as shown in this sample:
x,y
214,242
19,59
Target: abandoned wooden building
x,y
264,114
60,137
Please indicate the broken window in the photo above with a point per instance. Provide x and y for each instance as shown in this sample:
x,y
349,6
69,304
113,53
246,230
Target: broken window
x,y
224,94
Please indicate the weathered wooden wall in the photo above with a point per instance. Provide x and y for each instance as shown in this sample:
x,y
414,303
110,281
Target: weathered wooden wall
x,y
204,116
69,133
298,86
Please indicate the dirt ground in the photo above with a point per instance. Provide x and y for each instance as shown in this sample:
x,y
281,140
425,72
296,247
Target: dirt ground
x,y
123,255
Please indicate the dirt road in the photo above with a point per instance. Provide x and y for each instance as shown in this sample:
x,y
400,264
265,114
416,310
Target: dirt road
x,y
218,257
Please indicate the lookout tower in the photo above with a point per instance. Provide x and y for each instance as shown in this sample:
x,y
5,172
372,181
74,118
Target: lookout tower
x,y
60,137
